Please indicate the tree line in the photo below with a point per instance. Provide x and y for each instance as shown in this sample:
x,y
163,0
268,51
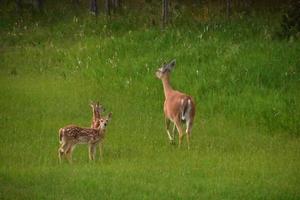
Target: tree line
x,y
113,6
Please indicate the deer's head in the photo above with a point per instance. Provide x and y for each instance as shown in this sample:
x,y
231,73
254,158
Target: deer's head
x,y
165,69
104,121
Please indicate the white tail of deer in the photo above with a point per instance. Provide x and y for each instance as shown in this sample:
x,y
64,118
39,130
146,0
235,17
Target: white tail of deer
x,y
71,135
178,107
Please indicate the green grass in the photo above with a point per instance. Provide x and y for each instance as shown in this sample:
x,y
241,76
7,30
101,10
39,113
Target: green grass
x,y
245,141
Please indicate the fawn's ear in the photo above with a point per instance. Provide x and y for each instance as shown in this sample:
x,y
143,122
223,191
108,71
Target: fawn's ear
x,y
109,116
92,104
101,108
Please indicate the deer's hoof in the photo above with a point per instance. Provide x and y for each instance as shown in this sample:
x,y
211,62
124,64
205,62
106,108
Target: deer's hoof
x,y
172,142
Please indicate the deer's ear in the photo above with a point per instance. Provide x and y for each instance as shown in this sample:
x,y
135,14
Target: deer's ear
x,y
102,109
109,116
172,64
91,103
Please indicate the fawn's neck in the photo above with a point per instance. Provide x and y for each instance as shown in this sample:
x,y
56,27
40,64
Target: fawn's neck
x,y
101,132
96,115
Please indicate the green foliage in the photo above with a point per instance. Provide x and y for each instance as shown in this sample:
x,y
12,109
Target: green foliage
x,y
290,25
245,141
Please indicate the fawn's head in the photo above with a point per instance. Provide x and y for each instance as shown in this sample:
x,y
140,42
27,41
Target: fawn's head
x,y
104,121
165,70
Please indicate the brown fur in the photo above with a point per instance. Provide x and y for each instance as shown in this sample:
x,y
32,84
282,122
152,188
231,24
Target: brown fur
x,y
97,109
71,135
176,106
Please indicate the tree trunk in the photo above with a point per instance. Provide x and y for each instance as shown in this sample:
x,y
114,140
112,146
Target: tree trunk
x,y
165,12
113,6
40,5
247,5
18,6
94,7
107,7
228,8
75,2
118,3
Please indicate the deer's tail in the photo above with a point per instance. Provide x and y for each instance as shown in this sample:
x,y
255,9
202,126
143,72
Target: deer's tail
x,y
186,108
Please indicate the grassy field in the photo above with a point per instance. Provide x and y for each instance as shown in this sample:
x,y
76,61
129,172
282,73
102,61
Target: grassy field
x,y
245,142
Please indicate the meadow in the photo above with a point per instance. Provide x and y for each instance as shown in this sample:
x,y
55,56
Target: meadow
x,y
245,141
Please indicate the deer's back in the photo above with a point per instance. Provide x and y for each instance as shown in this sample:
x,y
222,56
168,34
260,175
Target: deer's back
x,y
80,135
173,104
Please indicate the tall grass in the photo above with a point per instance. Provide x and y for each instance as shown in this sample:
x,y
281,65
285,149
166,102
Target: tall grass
x,y
245,142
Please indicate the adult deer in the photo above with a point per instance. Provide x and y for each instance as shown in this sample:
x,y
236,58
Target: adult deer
x,y
178,107
71,135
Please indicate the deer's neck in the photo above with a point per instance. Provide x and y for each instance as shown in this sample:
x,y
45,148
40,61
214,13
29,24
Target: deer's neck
x,y
167,87
96,115
101,132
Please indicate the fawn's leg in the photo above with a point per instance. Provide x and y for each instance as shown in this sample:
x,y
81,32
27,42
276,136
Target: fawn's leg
x,y
101,150
69,151
60,153
92,151
61,150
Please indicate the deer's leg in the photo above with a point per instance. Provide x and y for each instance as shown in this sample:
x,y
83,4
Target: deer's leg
x,y
68,151
173,131
60,153
94,150
188,139
71,151
61,150
91,151
179,129
167,125
189,125
101,150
